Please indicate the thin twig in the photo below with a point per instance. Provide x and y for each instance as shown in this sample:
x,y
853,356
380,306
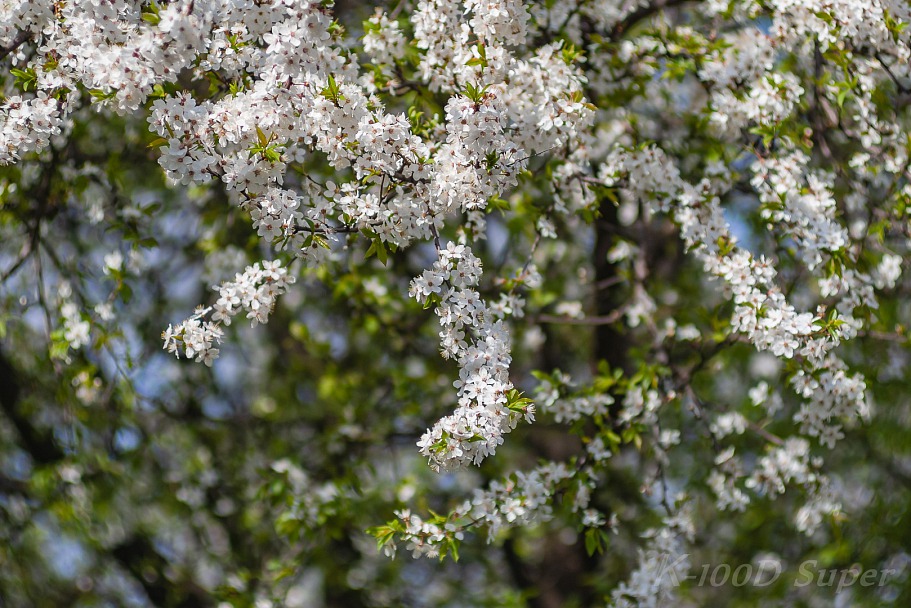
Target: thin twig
x,y
23,256
595,320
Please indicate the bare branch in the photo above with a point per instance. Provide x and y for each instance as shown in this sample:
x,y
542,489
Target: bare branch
x,y
641,14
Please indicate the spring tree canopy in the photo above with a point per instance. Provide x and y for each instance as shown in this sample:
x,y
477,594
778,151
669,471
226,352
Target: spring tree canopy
x,y
575,296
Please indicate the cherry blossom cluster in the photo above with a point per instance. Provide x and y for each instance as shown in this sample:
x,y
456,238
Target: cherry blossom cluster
x,y
573,407
477,161
287,89
522,499
254,291
788,463
663,565
75,328
801,201
832,394
480,344
313,137
384,41
768,101
529,497
833,22
761,311
27,125
80,37
422,538
782,465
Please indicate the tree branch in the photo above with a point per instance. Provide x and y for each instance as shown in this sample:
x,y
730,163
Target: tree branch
x,y
39,445
18,41
641,14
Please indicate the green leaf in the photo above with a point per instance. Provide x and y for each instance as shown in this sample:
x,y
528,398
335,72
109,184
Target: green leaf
x,y
331,91
263,140
481,59
594,541
25,79
99,95
381,253
383,534
475,93
454,548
